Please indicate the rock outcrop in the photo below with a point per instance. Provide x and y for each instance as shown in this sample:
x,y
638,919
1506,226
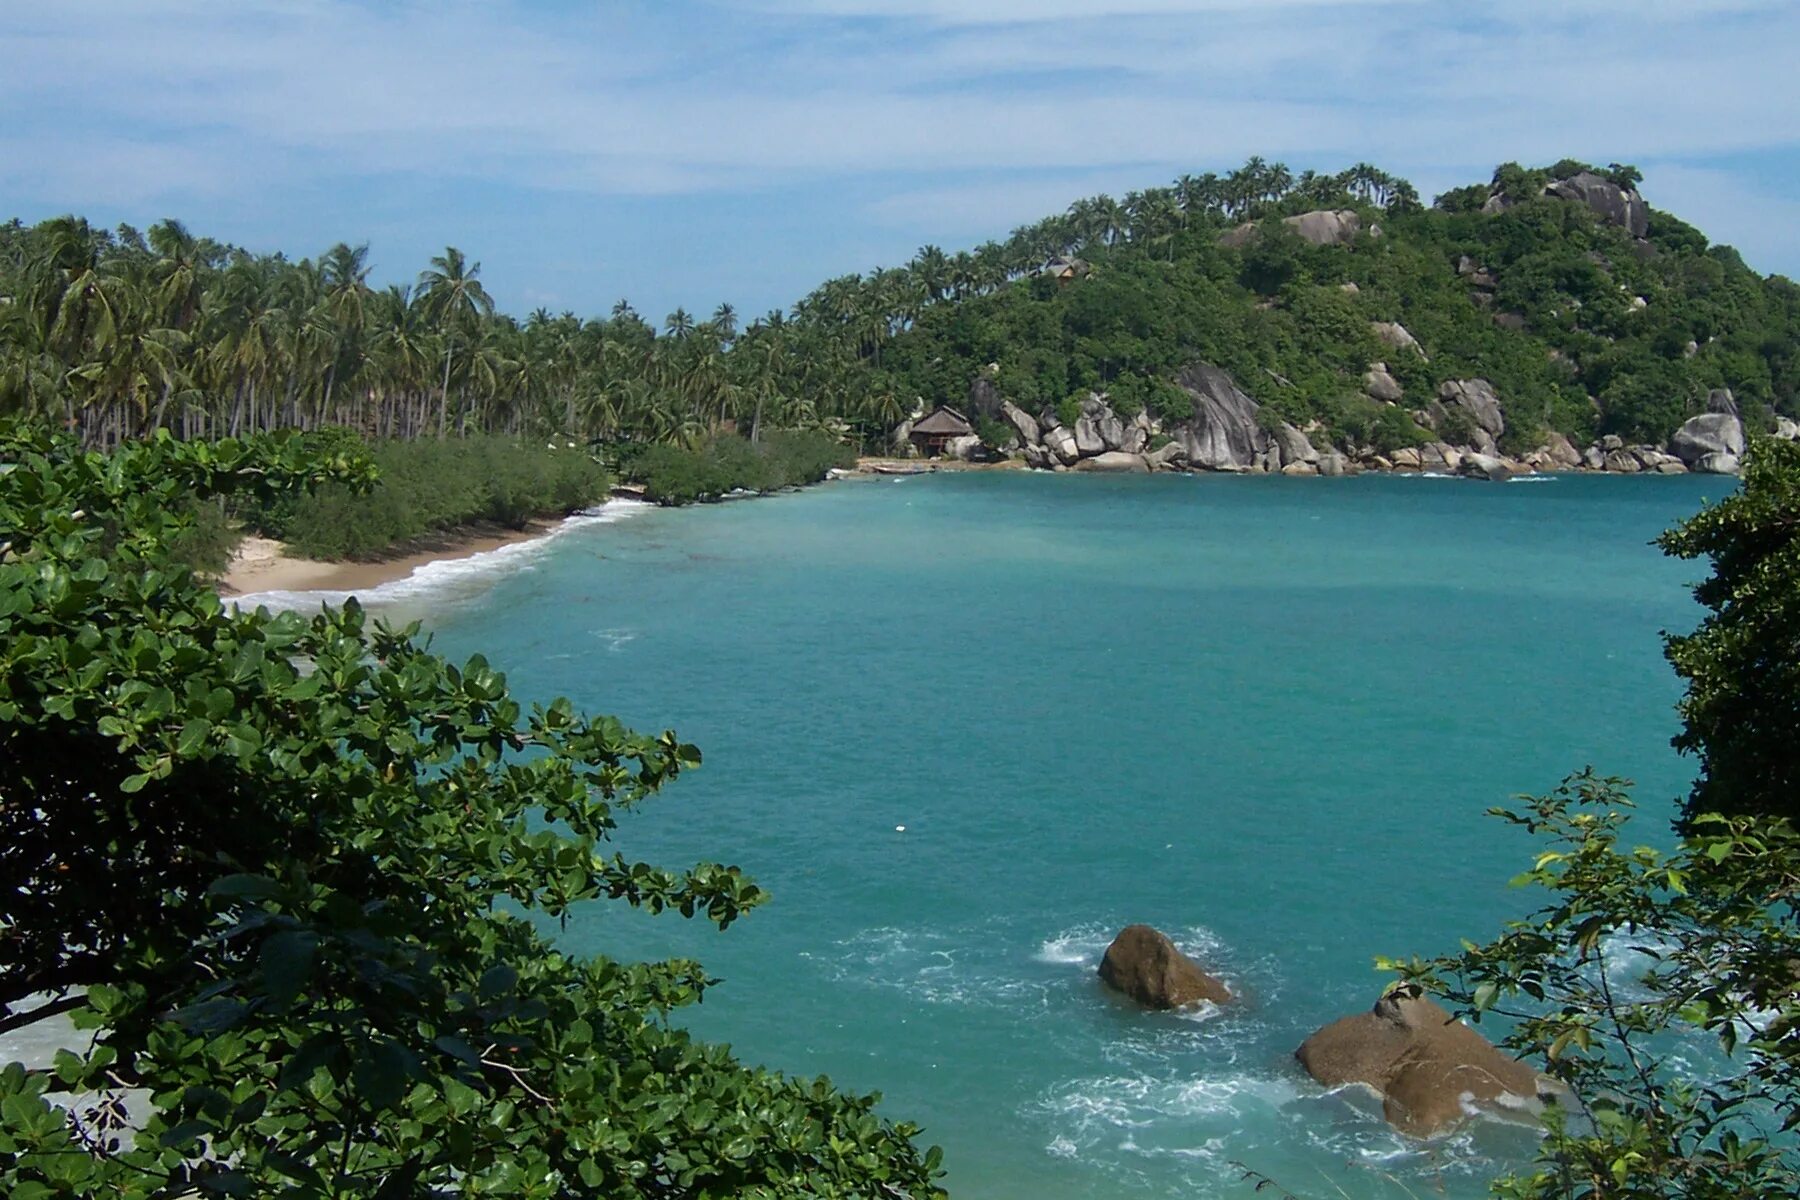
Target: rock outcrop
x,y
984,398
1168,456
1486,466
1115,461
1709,439
1379,384
1060,442
1475,399
1144,964
1223,434
1022,422
1322,227
1431,1070
1620,206
1396,335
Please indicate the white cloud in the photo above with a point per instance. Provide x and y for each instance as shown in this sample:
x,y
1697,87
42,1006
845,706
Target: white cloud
x,y
1762,225
964,107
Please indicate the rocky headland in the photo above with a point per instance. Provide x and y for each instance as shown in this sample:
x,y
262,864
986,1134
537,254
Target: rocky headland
x,y
1461,428
1228,431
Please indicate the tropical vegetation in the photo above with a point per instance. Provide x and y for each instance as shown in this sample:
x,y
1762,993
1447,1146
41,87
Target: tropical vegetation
x,y
113,334
293,880
1661,984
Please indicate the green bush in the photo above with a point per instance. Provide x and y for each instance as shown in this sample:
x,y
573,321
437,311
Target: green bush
x,y
430,486
675,475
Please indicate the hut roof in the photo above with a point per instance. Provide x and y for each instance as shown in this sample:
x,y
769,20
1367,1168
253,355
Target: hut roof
x,y
945,420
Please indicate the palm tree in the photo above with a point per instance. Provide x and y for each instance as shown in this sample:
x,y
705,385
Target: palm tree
x,y
451,291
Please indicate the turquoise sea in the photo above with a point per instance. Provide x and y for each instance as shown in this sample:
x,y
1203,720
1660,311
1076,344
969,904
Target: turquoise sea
x,y
1265,715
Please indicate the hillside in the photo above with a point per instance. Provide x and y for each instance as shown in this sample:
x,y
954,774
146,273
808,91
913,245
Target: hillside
x,y
1545,313
1549,315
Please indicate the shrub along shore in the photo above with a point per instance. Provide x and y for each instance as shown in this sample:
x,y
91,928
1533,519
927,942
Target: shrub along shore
x,y
445,499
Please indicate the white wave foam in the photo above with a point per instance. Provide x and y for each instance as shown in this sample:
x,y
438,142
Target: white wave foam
x,y
1084,945
451,575
1532,479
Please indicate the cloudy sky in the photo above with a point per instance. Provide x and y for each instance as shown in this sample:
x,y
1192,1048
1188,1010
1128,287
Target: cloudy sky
x,y
692,151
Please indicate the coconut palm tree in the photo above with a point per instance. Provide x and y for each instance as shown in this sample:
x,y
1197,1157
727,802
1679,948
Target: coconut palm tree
x,y
451,291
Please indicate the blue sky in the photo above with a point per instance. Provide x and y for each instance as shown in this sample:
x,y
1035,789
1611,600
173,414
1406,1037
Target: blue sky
x,y
696,151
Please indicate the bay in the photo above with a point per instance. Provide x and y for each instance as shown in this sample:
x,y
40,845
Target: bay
x,y
1265,715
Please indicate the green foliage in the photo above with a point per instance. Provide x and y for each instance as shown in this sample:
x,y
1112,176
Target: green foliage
x,y
430,486
1275,315
289,876
675,475
1635,963
1741,665
125,336
1660,985
995,435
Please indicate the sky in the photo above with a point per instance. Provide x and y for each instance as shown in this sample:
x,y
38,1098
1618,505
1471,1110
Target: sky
x,y
692,152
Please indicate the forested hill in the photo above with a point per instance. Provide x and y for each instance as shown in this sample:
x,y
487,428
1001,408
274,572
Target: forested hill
x,y
1587,311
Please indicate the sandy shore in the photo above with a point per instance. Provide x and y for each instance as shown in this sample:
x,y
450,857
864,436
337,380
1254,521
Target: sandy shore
x,y
263,565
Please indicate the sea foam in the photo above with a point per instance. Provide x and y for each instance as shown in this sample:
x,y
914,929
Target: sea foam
x,y
451,576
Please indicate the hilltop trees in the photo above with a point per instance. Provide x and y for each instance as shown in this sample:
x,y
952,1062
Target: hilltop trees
x,y
115,335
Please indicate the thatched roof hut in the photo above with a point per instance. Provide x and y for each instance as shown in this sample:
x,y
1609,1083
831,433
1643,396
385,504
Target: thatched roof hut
x,y
934,432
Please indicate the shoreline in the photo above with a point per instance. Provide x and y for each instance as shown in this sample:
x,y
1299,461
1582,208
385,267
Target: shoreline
x,y
263,565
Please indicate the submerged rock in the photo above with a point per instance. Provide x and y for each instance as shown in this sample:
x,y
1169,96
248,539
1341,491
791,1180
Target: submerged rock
x,y
1144,964
1429,1068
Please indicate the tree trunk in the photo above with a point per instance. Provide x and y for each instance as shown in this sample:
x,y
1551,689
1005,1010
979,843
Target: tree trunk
x,y
444,400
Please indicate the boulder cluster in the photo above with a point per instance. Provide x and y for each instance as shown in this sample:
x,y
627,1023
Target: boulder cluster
x,y
1430,1070
1225,429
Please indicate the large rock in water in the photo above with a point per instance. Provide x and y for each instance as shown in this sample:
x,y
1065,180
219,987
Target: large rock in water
x,y
1432,1070
1223,434
1486,466
1620,206
1144,964
1706,435
1114,461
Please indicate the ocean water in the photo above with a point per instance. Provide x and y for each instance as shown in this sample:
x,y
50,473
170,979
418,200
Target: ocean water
x,y
1264,715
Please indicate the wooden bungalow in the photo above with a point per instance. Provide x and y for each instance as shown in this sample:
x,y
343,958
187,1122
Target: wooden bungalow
x,y
937,429
1065,270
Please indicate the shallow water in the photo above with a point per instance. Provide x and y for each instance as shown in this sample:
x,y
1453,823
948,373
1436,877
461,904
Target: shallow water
x,y
1266,715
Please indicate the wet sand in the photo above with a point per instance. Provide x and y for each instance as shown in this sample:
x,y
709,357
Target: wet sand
x,y
263,564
